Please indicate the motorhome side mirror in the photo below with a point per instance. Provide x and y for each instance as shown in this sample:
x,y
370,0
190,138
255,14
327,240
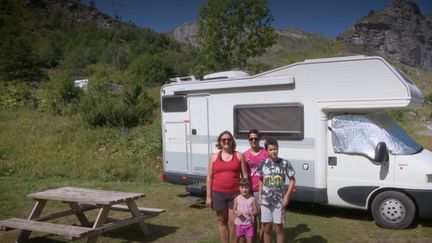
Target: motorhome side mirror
x,y
381,152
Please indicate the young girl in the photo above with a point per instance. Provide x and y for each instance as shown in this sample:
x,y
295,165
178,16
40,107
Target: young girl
x,y
245,209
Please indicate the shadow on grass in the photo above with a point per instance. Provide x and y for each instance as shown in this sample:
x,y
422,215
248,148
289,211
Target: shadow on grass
x,y
44,239
197,202
131,233
347,213
292,233
425,223
328,211
134,233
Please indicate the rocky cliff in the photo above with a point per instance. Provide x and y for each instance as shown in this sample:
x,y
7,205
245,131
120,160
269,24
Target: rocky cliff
x,y
76,11
186,33
399,32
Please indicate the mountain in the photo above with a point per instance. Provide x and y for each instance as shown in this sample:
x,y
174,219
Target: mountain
x,y
292,45
186,33
75,11
398,32
38,37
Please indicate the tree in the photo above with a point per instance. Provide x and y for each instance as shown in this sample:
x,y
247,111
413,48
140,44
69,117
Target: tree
x,y
232,31
151,69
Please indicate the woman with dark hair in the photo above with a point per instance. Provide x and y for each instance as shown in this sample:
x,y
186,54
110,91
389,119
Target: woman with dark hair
x,y
253,157
225,169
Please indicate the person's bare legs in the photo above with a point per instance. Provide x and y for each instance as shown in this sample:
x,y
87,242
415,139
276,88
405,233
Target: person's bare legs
x,y
280,236
261,232
222,218
231,226
267,228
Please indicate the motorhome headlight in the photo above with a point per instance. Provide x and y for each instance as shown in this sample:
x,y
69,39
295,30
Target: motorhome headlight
x,y
429,178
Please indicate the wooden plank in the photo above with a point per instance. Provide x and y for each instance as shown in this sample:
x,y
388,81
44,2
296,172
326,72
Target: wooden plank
x,y
68,231
119,223
124,208
79,213
135,212
60,214
35,213
99,222
141,209
76,194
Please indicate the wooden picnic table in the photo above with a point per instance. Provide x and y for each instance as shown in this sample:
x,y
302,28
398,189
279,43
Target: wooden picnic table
x,y
79,201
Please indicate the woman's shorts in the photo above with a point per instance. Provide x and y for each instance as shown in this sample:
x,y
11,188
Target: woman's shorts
x,y
223,200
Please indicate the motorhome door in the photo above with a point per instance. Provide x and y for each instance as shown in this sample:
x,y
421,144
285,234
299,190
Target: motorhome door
x,y
175,153
352,177
199,134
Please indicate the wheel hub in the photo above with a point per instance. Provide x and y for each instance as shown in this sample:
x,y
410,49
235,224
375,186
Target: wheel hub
x,y
392,210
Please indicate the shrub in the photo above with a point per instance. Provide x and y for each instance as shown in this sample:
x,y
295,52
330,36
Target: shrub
x,y
151,69
398,115
59,95
126,108
13,95
428,99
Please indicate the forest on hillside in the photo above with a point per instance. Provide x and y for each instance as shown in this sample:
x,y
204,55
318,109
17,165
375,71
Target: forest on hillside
x,y
43,50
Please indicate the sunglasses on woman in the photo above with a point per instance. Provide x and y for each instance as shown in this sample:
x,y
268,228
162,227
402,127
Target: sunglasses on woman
x,y
226,140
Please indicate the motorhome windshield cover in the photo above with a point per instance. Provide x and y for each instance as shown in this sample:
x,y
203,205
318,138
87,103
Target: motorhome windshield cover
x,y
360,134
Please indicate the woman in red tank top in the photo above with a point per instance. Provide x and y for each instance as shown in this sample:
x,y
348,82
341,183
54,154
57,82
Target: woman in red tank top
x,y
222,185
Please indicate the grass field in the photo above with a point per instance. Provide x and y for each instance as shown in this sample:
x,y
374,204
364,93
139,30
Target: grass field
x,y
38,152
188,221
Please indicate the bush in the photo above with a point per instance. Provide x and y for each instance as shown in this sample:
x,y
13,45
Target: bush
x,y
398,115
13,95
428,99
151,69
59,95
127,108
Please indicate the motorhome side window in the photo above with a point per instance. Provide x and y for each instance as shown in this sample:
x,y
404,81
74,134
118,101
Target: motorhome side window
x,y
174,103
284,121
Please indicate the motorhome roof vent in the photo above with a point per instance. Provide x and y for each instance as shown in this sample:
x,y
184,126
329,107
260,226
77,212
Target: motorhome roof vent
x,y
183,79
226,74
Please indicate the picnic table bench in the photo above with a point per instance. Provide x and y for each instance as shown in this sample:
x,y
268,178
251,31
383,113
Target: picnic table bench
x,y
81,200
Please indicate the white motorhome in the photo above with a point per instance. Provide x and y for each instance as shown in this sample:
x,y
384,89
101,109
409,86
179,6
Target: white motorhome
x,y
328,115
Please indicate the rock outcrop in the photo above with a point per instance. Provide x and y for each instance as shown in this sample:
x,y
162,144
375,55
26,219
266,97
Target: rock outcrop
x,y
186,33
75,11
399,32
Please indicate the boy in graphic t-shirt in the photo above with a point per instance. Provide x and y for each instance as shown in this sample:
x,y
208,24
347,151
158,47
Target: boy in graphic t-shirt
x,y
274,195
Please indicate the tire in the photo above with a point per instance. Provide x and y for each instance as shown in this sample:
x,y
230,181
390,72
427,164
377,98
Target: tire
x,y
393,210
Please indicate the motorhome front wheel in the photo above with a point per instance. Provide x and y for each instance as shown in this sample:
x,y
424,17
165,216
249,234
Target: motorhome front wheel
x,y
393,210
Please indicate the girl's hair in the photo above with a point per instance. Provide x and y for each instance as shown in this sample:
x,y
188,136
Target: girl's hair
x,y
271,141
219,138
254,131
244,182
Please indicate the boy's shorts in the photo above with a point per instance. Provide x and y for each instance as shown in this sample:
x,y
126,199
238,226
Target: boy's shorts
x,y
246,230
271,214
222,200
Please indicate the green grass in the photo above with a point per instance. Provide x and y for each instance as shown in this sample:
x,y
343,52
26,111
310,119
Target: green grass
x,y
36,145
39,151
189,221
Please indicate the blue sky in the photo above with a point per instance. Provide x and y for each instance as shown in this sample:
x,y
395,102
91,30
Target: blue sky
x,y
326,17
